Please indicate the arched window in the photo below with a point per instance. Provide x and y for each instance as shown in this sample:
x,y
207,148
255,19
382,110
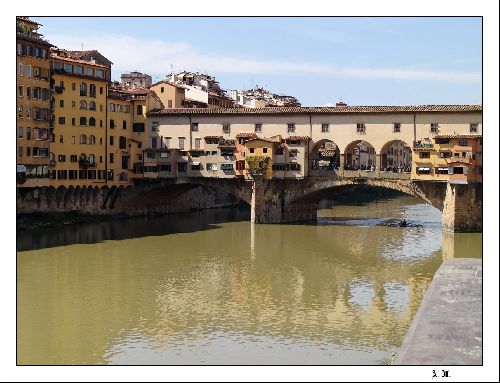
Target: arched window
x,y
91,159
92,140
91,121
83,121
83,104
83,89
139,110
92,105
83,139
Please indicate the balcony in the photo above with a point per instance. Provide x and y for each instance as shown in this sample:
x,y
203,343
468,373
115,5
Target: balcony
x,y
422,145
58,89
84,163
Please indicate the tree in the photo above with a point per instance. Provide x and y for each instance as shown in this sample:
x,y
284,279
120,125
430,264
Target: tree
x,y
257,164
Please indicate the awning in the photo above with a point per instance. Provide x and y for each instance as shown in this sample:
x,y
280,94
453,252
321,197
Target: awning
x,y
195,163
425,169
442,169
21,169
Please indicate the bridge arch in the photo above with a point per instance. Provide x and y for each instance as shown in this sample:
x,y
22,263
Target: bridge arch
x,y
325,154
396,154
360,154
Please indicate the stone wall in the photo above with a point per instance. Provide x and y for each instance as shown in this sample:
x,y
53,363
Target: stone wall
x,y
462,208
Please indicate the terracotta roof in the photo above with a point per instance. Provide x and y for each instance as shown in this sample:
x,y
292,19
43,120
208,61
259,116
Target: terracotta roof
x,y
460,136
247,134
325,110
56,56
180,86
213,137
262,139
298,138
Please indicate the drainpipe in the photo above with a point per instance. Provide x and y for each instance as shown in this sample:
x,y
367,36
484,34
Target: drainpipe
x,y
414,126
190,143
308,143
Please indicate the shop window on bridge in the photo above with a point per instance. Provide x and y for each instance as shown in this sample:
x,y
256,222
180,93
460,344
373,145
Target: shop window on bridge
x,y
441,170
424,170
240,165
279,167
182,167
463,142
212,167
226,167
425,155
196,166
444,154
295,167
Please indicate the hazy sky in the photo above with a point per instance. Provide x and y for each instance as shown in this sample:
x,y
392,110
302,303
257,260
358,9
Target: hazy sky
x,y
363,61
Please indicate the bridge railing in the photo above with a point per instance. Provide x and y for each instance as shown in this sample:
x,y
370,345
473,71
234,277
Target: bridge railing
x,y
375,174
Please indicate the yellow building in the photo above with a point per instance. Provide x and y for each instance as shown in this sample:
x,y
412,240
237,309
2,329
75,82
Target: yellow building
x,y
33,104
78,151
260,148
171,95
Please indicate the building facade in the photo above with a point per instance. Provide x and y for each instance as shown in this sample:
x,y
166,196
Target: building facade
x,y
135,80
33,92
78,150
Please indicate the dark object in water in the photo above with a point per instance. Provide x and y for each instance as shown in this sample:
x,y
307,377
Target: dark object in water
x,y
402,223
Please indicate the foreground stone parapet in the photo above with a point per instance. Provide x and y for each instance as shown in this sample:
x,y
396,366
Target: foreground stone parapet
x,y
448,327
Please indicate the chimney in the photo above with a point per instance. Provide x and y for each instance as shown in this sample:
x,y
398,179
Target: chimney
x,y
340,103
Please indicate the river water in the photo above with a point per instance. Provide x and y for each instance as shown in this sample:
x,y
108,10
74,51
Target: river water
x,y
211,288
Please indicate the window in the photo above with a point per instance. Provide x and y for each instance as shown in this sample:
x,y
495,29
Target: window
x,y
279,151
62,120
20,111
28,92
92,140
20,152
463,142
258,128
473,128
124,125
434,128
72,174
21,69
83,139
83,121
162,90
91,121
28,133
182,167
100,90
424,170
112,107
99,73
61,103
68,68
21,91
92,90
28,70
360,128
89,71
291,127
194,127
169,103
83,104
122,144
264,150
154,142
28,152
111,140
252,150
196,166
73,86
83,89
92,105
295,167
181,142
197,143
166,141
397,127
78,69
165,168
226,128
226,167
119,108
425,155
61,158
444,154
325,128
61,139
73,158
111,158
20,132
73,139
292,153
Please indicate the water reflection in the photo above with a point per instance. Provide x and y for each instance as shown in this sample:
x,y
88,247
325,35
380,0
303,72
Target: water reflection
x,y
240,294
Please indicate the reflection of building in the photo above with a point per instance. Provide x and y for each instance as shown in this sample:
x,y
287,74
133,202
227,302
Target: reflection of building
x,y
33,104
453,158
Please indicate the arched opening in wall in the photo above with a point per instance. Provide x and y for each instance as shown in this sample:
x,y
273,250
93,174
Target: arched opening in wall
x,y
395,156
360,155
324,155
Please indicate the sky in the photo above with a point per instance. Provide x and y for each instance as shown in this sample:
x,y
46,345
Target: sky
x,y
359,60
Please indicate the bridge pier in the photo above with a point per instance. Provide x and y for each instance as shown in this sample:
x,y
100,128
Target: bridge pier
x,y
462,208
269,206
